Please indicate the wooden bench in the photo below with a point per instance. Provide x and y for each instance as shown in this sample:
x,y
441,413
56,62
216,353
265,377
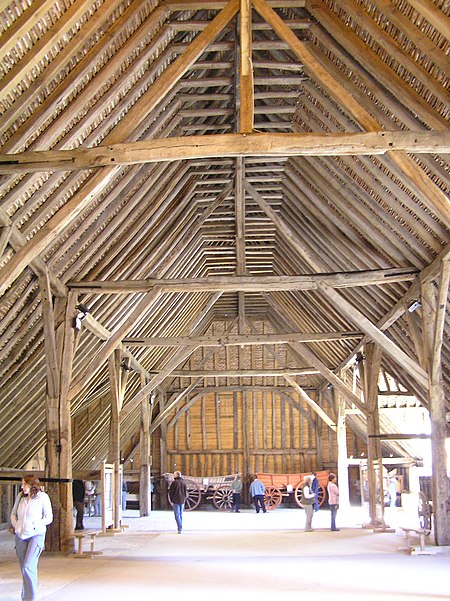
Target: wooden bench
x,y
90,536
422,534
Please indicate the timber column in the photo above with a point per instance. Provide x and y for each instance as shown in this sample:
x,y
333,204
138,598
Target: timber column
x,y
145,498
341,434
433,316
369,370
163,451
118,375
60,343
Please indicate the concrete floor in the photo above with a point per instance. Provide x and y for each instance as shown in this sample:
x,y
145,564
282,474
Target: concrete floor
x,y
224,555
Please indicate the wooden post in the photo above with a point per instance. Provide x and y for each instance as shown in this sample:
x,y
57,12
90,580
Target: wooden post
x,y
433,315
341,432
245,424
318,433
145,498
163,450
369,371
60,342
118,376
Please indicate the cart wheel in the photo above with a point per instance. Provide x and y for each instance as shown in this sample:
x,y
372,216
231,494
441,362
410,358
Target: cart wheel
x,y
298,494
321,495
272,497
194,495
424,510
223,498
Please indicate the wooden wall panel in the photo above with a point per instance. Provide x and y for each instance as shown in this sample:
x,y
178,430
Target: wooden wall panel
x,y
281,439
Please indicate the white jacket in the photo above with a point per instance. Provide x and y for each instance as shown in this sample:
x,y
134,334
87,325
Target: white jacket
x,y
31,516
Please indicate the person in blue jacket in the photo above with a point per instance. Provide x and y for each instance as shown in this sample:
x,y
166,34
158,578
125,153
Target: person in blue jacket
x,y
315,489
257,490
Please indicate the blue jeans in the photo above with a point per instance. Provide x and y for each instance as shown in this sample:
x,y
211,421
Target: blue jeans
x,y
258,500
28,552
178,513
124,500
333,509
98,504
236,501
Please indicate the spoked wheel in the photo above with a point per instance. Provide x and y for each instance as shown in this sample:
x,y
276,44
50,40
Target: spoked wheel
x,y
321,495
424,510
298,494
223,498
194,495
272,497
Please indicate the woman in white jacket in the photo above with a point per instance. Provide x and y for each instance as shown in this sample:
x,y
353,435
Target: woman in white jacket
x,y
30,516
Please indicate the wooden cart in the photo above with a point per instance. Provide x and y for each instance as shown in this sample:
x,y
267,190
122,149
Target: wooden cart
x,y
283,485
215,488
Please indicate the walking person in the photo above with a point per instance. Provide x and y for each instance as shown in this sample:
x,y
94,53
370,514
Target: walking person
x,y
257,490
178,494
333,499
78,493
30,516
236,487
308,497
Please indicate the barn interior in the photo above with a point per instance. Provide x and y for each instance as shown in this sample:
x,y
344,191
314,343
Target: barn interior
x,y
224,248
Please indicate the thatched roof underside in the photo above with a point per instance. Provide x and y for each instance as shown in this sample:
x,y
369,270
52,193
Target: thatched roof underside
x,y
83,74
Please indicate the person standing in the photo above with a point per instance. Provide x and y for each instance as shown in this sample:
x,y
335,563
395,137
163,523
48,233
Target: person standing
x,y
78,493
315,487
124,495
89,490
257,490
178,494
308,497
333,499
236,487
98,498
30,516
393,491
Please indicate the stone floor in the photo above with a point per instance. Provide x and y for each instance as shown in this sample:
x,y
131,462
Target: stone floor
x,y
223,555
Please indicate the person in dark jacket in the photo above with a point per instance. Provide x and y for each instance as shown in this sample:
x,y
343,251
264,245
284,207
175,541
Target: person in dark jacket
x,y
177,495
78,493
315,487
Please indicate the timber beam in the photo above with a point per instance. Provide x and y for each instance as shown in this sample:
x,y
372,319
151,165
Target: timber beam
x,y
243,340
241,373
227,145
250,283
396,436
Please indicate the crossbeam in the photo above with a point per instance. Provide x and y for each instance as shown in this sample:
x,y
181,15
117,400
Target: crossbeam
x,y
243,340
227,145
249,283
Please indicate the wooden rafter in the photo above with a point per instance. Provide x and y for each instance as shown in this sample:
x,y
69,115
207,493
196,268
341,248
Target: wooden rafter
x,y
430,191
